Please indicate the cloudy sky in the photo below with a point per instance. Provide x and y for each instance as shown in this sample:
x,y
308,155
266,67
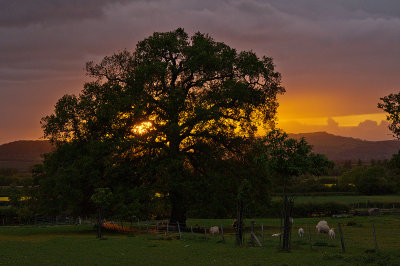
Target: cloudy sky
x,y
337,57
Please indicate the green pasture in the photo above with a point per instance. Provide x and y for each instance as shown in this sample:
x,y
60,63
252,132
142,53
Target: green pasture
x,y
346,199
77,245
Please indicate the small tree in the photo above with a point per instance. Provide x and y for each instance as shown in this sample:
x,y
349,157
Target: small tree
x,y
287,157
101,198
391,105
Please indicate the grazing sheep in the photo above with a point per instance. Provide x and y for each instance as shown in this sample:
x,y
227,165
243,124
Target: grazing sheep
x,y
331,233
277,234
373,211
301,232
214,230
322,227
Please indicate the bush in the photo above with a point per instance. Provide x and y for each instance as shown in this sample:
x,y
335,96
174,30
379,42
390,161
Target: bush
x,y
8,171
319,209
8,215
373,180
310,209
374,185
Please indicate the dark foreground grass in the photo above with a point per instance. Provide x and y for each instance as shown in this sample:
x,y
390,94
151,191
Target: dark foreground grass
x,y
77,245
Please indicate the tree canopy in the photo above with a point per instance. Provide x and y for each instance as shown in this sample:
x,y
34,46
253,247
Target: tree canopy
x,y
160,117
287,157
391,105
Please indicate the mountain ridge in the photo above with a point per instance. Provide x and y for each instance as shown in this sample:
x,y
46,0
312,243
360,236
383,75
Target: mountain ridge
x,y
339,148
23,154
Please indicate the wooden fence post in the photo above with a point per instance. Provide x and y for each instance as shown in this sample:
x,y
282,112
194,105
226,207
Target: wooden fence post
x,y
205,232
341,238
179,230
252,232
222,233
376,243
167,227
191,230
262,233
309,236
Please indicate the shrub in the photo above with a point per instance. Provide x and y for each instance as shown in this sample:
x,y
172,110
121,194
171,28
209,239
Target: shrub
x,y
310,209
371,180
8,215
319,209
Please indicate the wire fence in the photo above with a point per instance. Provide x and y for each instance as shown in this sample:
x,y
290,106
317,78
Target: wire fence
x,y
368,234
355,236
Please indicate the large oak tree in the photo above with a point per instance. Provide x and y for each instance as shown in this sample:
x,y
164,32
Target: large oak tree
x,y
164,107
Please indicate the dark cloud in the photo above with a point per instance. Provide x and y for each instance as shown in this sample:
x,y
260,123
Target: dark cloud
x,y
340,9
21,13
339,47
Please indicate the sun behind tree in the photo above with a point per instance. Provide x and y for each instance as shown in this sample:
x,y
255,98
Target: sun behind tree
x,y
166,105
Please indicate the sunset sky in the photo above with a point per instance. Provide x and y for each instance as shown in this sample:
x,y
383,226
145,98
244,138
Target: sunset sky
x,y
337,58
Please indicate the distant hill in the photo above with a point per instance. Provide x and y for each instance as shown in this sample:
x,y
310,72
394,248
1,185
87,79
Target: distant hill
x,y
23,154
339,148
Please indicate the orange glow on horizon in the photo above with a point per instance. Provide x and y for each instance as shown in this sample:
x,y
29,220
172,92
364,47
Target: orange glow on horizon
x,y
343,121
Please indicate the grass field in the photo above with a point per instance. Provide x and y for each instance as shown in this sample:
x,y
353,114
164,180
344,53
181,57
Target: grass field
x,y
77,245
346,199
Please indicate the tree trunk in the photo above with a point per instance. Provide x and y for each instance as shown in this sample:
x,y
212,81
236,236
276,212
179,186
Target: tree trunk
x,y
99,223
239,223
178,209
286,213
286,225
177,184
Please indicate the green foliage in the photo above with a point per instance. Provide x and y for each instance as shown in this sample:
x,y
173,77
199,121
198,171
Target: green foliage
x,y
8,180
164,117
368,180
374,181
328,180
391,105
244,190
310,209
101,196
24,201
10,176
387,200
311,184
287,157
8,171
216,191
8,215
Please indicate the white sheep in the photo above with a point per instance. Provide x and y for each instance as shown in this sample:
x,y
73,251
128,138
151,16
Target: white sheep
x,y
322,227
331,233
301,232
214,230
